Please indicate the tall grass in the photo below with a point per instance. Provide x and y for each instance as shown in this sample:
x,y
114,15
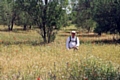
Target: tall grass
x,y
22,57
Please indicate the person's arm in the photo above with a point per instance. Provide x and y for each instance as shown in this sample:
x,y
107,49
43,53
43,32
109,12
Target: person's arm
x,y
67,43
78,43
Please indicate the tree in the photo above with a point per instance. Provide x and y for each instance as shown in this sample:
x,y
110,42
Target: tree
x,y
84,15
52,18
1,13
107,16
8,13
72,15
48,15
23,18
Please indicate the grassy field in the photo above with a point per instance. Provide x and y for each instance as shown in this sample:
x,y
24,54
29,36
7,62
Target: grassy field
x,y
23,57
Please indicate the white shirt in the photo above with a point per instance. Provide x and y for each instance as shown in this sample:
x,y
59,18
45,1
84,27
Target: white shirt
x,y
72,42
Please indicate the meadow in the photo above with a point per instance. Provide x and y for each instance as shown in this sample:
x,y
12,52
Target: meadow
x,y
24,57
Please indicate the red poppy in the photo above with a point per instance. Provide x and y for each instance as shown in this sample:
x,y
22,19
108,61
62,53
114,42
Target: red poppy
x,y
38,78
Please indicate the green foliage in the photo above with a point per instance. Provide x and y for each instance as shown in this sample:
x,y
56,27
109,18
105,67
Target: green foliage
x,y
7,13
24,18
87,69
54,15
49,16
84,15
92,69
107,15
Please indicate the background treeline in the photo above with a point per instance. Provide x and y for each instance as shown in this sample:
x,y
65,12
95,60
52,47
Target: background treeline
x,y
50,15
47,15
98,15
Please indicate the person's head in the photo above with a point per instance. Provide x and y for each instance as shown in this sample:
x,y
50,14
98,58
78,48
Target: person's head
x,y
73,33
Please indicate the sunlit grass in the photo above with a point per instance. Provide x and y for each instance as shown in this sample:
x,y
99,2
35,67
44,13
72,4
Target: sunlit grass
x,y
22,54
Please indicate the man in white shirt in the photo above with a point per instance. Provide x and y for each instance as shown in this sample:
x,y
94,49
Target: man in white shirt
x,y
72,41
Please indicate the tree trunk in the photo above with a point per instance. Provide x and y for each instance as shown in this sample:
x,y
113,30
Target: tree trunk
x,y
44,36
44,22
88,29
49,36
30,27
12,22
25,27
9,27
99,33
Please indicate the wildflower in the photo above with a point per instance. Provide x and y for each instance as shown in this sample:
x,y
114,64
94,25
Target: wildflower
x,y
1,41
84,65
38,78
16,51
85,78
14,38
68,64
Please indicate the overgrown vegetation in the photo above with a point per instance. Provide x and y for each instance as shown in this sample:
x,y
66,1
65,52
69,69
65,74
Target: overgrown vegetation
x,y
23,57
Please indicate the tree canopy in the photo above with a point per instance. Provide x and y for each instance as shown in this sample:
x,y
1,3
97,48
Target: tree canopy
x,y
107,16
100,15
48,15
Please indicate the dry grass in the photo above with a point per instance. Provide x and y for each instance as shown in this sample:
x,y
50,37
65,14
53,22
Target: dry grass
x,y
22,52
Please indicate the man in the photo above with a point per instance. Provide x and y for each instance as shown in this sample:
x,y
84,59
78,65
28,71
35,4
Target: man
x,y
72,41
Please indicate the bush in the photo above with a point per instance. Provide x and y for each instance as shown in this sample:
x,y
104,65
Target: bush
x,y
88,69
93,69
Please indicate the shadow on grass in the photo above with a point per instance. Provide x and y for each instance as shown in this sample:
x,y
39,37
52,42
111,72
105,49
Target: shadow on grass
x,y
33,43
89,35
104,41
4,30
38,43
100,41
107,41
81,35
17,30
